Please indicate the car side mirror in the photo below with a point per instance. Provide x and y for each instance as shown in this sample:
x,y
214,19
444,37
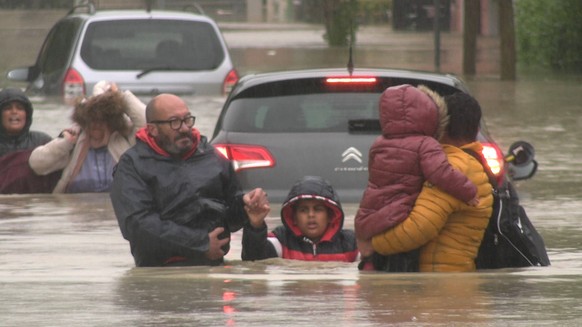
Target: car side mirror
x,y
19,74
521,161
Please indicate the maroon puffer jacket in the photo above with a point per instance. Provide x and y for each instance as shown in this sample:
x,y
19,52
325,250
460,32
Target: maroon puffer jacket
x,y
404,156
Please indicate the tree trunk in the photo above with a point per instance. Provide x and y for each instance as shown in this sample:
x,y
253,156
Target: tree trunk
x,y
507,31
470,31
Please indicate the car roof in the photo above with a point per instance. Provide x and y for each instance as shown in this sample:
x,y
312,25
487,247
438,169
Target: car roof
x,y
251,80
139,14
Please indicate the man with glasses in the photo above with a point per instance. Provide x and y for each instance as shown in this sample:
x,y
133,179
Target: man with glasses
x,y
176,199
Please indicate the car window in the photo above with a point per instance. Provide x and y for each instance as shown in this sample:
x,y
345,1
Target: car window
x,y
56,50
313,105
151,44
326,112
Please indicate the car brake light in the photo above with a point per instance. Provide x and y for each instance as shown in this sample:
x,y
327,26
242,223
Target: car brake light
x,y
229,81
495,160
351,80
73,86
246,156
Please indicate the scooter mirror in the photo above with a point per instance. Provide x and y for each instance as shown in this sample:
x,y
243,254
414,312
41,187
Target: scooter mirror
x,y
520,154
522,172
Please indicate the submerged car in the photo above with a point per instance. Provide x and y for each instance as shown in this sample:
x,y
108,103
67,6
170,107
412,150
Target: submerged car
x,y
277,127
145,51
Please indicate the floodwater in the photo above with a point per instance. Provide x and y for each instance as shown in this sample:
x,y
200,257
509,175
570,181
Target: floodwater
x,y
63,261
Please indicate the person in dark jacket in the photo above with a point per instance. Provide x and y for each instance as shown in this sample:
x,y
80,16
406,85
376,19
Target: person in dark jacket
x,y
175,197
15,133
312,229
16,144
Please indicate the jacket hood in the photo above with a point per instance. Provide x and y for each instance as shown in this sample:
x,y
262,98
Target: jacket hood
x,y
143,135
408,110
313,187
12,94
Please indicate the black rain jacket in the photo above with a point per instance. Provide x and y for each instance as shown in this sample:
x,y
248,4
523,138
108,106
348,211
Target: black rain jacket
x,y
26,139
166,207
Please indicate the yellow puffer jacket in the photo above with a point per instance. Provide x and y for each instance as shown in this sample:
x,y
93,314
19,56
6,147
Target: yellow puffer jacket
x,y
447,230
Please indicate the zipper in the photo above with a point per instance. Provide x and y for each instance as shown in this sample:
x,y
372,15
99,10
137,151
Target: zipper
x,y
313,245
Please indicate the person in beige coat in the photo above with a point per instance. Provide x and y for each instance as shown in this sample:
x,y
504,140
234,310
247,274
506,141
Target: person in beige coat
x,y
104,128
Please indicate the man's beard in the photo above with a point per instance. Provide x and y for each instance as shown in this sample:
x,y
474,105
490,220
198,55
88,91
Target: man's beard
x,y
177,146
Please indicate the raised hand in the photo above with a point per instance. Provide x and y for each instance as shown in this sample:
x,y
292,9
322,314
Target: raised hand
x,y
257,206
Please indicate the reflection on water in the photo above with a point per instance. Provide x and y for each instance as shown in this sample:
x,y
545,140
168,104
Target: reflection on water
x,y
63,257
63,261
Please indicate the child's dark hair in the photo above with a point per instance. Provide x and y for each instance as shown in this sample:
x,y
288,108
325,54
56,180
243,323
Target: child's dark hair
x,y
464,116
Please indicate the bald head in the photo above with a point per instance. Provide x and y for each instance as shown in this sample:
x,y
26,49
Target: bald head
x,y
165,106
162,112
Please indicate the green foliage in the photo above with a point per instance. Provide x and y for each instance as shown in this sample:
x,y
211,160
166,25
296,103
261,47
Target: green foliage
x,y
374,11
340,21
549,33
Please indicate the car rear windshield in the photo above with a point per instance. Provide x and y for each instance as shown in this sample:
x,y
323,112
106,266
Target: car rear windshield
x,y
308,106
329,112
151,44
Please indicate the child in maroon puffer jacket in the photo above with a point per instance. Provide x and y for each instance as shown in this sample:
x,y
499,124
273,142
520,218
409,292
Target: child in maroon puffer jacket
x,y
403,157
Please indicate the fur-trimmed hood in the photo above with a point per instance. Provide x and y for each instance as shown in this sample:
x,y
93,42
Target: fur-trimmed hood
x,y
408,110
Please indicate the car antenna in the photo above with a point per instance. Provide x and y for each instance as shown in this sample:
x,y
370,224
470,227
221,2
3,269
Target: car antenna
x,y
350,59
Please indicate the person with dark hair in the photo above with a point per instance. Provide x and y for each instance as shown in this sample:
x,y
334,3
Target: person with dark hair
x,y
405,156
15,133
464,117
104,128
176,198
312,229
446,231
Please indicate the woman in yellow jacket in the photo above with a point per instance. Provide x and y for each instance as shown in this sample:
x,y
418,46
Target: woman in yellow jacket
x,y
447,231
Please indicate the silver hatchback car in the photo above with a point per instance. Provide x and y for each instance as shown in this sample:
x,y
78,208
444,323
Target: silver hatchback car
x,y
147,52
277,127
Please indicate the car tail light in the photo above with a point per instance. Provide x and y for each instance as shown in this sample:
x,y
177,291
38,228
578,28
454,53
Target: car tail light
x,y
229,81
495,160
73,86
351,80
246,156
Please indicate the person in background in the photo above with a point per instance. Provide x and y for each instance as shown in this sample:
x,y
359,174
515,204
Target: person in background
x,y
402,158
105,127
175,197
15,133
312,218
17,142
447,231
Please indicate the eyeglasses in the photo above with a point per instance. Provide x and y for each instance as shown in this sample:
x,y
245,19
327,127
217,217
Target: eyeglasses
x,y
176,123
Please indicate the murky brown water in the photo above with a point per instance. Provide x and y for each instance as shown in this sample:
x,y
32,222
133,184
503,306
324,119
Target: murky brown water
x,y
63,261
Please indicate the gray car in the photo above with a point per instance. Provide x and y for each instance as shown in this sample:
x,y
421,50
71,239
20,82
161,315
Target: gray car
x,y
278,127
147,52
